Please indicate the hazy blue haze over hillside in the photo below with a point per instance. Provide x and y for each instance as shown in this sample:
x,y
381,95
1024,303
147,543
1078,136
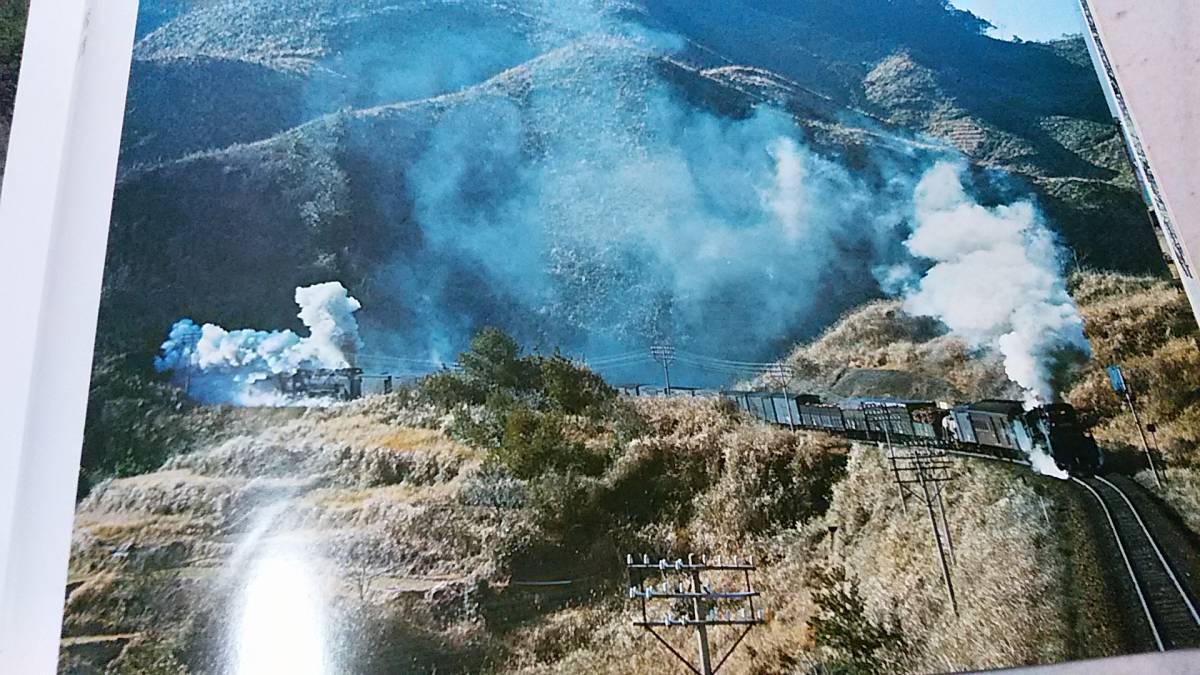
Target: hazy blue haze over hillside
x,y
592,176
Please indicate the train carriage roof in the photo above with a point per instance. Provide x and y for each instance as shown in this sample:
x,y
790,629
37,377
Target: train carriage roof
x,y
996,406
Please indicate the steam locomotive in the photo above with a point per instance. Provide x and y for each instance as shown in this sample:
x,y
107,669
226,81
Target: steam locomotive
x,y
995,427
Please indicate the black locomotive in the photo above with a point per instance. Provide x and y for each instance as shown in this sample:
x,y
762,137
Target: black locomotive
x,y
999,428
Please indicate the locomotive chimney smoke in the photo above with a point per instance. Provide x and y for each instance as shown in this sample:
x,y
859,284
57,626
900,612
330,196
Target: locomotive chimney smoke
x,y
995,280
222,366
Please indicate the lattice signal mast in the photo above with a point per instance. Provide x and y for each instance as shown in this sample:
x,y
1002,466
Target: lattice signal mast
x,y
920,471
682,582
664,354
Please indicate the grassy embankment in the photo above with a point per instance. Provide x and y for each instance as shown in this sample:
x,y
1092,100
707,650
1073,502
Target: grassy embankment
x,y
425,514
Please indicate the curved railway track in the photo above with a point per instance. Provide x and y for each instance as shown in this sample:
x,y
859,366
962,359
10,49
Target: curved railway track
x,y
1166,604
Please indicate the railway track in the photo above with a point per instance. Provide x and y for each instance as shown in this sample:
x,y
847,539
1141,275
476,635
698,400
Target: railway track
x,y
1166,604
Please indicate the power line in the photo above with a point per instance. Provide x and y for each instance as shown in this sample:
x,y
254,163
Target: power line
x,y
920,471
664,354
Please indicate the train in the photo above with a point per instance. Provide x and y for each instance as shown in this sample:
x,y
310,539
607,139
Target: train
x,y
1000,428
335,384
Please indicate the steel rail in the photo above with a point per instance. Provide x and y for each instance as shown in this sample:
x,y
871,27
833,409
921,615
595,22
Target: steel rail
x,y
1157,551
1137,585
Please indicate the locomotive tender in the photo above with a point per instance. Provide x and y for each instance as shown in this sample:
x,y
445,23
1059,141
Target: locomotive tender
x,y
995,427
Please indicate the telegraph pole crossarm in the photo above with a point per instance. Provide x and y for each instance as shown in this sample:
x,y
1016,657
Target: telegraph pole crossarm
x,y
701,599
664,354
877,412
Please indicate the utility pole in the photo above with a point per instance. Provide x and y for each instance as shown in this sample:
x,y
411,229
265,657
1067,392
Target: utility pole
x,y
921,471
664,354
682,581
877,413
1117,377
782,375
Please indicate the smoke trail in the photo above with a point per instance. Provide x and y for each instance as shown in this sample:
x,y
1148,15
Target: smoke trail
x,y
603,211
222,366
996,280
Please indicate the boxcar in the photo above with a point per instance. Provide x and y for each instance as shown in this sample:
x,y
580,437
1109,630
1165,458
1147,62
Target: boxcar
x,y
892,417
762,407
822,416
782,410
854,419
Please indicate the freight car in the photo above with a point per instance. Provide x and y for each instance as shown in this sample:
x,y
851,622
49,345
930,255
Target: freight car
x,y
1000,428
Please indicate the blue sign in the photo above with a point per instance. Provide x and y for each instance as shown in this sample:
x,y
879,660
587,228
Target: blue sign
x,y
1117,378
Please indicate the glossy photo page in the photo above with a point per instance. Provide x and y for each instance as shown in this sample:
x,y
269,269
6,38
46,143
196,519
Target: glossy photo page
x,y
663,336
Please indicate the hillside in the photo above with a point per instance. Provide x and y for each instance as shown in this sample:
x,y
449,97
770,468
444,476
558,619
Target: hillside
x,y
12,33
1141,323
478,522
270,145
412,551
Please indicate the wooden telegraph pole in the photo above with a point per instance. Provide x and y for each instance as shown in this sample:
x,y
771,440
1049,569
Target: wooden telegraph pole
x,y
782,375
682,581
664,354
878,418
920,471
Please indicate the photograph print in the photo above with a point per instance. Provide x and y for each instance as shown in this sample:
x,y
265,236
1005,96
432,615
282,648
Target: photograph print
x,y
629,336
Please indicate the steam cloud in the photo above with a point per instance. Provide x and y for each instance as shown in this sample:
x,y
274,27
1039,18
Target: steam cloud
x,y
603,210
222,366
573,192
996,280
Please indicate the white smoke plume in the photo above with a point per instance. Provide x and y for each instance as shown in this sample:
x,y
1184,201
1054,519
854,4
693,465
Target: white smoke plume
x,y
223,366
996,280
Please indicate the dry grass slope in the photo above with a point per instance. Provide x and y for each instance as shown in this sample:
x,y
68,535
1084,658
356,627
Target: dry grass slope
x,y
419,539
920,358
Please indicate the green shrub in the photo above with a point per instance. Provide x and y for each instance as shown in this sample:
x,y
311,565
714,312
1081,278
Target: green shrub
x,y
535,443
493,486
132,426
841,625
495,366
655,483
572,388
447,389
479,428
627,423
494,362
567,508
785,482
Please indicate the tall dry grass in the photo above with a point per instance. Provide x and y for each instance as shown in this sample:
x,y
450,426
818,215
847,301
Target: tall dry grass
x,y
880,336
414,553
1146,326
